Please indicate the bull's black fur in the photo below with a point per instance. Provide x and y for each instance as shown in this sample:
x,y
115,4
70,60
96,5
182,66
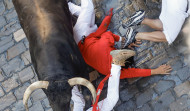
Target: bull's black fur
x,y
54,53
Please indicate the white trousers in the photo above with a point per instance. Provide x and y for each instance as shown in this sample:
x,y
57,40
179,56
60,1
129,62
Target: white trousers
x,y
112,93
173,15
85,24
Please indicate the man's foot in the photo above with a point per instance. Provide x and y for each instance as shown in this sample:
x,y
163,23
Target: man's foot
x,y
130,38
120,56
135,19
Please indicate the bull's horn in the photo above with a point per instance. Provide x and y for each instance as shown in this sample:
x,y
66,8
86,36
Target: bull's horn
x,y
31,88
84,82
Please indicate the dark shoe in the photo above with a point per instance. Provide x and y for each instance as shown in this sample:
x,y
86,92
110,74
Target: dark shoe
x,y
120,56
135,19
130,38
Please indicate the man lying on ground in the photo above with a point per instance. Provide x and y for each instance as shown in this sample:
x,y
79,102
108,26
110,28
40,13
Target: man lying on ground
x,y
98,51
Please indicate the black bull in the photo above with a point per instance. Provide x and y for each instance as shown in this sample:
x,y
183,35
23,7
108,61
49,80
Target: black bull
x,y
54,53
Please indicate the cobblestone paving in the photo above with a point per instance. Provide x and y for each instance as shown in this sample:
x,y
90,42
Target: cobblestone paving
x,y
156,93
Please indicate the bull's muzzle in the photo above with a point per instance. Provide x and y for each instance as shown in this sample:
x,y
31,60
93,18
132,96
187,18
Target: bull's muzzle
x,y
45,84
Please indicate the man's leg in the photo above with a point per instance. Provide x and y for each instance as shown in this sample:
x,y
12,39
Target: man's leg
x,y
74,9
113,90
153,23
82,26
156,36
77,97
86,12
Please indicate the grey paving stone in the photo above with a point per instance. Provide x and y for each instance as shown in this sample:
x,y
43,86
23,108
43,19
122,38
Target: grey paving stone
x,y
26,74
144,108
18,106
19,35
158,49
7,26
1,76
182,89
2,21
6,46
19,92
174,78
36,106
1,92
12,66
141,4
34,79
11,29
129,9
143,60
144,46
162,103
50,109
8,4
7,109
26,57
158,60
10,84
2,7
162,86
176,63
180,104
15,50
7,101
144,97
11,15
154,79
119,102
128,93
144,83
172,52
45,103
127,106
38,95
26,43
184,73
5,40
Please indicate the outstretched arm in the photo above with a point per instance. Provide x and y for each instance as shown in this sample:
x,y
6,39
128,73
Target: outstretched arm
x,y
134,72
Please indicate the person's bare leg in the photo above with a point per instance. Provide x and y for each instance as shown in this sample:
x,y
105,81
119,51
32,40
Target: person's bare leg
x,y
153,23
156,36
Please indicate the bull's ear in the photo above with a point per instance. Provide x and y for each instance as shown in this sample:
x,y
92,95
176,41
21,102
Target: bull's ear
x,y
84,82
31,88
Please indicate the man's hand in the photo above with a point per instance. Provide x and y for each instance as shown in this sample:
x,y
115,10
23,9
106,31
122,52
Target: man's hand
x,y
136,44
163,69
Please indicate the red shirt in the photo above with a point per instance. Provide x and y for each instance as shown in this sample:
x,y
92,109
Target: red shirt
x,y
96,52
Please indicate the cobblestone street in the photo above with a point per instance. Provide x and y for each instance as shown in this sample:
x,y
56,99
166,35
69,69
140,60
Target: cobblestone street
x,y
155,93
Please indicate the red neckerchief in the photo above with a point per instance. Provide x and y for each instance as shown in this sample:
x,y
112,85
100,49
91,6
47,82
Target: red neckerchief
x,y
98,92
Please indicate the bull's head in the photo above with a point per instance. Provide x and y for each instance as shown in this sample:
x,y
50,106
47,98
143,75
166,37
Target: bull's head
x,y
54,53
45,84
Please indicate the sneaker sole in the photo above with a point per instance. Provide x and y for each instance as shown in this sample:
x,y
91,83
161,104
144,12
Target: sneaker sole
x,y
138,18
115,53
120,56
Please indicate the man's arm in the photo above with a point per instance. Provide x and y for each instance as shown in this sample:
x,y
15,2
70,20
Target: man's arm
x,y
135,72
